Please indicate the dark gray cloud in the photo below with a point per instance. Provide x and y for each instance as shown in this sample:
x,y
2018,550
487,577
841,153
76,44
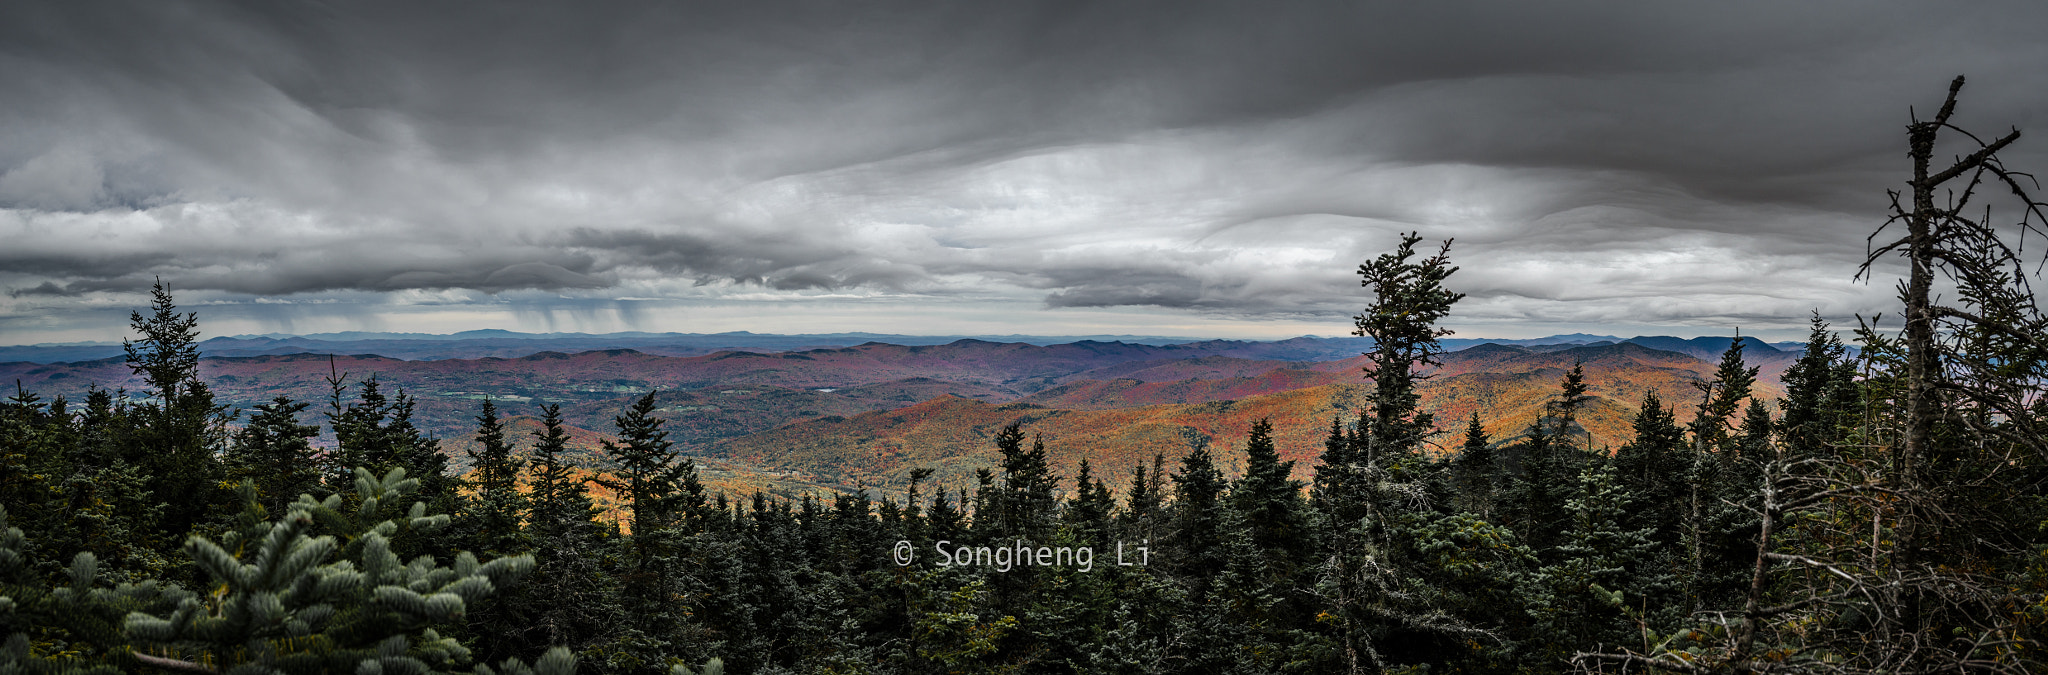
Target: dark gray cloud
x,y
1600,163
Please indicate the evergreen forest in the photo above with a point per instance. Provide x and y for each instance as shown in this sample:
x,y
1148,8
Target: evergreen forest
x,y
1888,515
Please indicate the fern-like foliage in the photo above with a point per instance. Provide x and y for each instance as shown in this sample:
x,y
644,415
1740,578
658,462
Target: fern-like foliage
x,y
319,590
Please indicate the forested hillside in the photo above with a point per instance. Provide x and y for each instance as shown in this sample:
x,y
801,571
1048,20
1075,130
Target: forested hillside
x,y
726,397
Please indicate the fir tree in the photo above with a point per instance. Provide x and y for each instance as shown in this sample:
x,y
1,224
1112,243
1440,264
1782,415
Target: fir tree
x,y
1375,489
1271,504
1580,599
81,619
180,431
282,605
1408,300
568,602
276,453
1025,505
377,432
1195,544
1820,393
1091,508
497,505
1144,502
658,484
1476,471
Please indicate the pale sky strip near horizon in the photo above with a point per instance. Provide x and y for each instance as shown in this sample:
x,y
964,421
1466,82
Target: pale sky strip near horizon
x,y
1143,168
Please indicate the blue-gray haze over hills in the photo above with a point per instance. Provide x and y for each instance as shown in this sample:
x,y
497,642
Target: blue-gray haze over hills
x,y
508,344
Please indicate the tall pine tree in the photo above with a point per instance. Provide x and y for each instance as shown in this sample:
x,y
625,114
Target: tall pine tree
x,y
180,431
1373,489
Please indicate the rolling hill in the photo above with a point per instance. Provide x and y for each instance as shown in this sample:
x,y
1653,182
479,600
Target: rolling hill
x,y
865,414
1118,423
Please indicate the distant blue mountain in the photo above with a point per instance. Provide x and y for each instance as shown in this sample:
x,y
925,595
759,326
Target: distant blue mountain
x,y
62,353
509,344
1707,348
1455,344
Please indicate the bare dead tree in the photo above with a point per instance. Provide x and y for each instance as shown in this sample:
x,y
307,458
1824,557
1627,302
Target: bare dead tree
x,y
1826,596
1885,556
1990,276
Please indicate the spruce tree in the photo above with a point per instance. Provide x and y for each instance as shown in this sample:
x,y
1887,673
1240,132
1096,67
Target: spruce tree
x,y
1720,398
1088,513
1651,469
276,452
1476,471
568,601
1025,504
377,432
557,499
1542,486
913,524
1408,301
1271,504
1550,458
1267,548
1820,394
665,504
658,484
287,601
1195,542
104,429
1144,502
497,505
990,523
1753,444
1579,600
1898,547
946,522
1715,477
180,431
1376,490
25,456
1564,409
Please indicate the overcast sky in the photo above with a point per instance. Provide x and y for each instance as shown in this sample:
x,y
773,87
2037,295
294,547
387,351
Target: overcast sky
x,y
1170,168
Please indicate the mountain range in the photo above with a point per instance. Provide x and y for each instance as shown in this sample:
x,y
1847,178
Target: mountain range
x,y
508,344
838,418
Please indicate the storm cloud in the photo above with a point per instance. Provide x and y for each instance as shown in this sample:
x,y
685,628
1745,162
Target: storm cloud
x,y
1600,164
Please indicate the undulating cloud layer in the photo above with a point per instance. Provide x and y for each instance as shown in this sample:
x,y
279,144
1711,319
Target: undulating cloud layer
x,y
1162,168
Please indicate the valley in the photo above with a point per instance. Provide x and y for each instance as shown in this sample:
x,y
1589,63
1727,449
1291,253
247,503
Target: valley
x,y
842,418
